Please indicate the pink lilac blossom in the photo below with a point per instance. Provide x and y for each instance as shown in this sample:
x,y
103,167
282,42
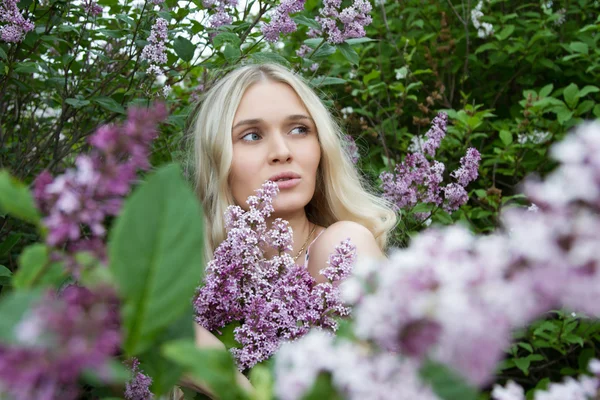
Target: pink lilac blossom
x,y
221,11
60,338
273,299
81,198
419,180
356,372
281,22
303,51
138,388
155,51
353,21
16,25
92,8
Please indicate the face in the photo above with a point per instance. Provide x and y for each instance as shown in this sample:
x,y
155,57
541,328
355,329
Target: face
x,y
274,137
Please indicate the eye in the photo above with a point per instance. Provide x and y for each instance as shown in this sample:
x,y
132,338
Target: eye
x,y
302,130
251,137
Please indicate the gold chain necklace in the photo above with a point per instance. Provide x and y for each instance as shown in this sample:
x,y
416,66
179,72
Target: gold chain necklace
x,y
305,243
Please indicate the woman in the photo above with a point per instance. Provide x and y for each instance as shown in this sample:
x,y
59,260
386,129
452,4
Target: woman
x,y
263,122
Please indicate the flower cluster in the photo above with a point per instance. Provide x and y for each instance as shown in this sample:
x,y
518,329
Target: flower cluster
x,y
351,148
16,25
484,29
437,298
80,199
355,373
585,387
353,20
92,8
281,22
221,10
60,338
155,51
273,299
138,388
418,180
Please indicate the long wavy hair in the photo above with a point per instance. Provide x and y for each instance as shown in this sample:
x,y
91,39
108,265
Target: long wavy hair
x,y
340,192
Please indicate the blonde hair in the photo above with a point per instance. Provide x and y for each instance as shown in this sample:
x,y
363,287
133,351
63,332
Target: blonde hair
x,y
340,193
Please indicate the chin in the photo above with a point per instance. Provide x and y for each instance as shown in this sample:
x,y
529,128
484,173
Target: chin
x,y
287,203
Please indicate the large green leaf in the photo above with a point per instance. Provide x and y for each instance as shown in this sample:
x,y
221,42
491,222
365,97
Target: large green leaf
x,y
36,269
184,48
212,367
16,199
155,256
349,53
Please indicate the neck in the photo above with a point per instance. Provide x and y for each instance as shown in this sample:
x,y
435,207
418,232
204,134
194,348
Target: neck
x,y
300,227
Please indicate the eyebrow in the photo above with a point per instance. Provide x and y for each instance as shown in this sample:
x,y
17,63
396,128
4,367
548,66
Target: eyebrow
x,y
295,117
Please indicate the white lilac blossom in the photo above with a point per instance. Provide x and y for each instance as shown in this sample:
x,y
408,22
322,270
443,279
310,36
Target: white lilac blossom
x,y
155,51
484,29
16,25
419,180
356,373
274,299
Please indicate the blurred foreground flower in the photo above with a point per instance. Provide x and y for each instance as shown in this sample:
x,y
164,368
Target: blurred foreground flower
x,y
273,299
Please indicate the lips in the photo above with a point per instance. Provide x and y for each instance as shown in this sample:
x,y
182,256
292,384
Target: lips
x,y
284,176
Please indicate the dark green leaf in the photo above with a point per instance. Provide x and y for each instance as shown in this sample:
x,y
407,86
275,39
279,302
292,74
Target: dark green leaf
x,y
587,90
506,137
77,103
571,95
523,364
16,200
349,53
322,389
546,90
226,37
36,269
5,275
323,52
446,383
3,54
269,57
215,368
302,20
329,80
109,104
184,48
155,250
506,32
354,41
8,244
579,47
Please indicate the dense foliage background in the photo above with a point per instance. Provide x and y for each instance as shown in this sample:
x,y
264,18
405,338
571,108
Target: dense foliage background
x,y
513,77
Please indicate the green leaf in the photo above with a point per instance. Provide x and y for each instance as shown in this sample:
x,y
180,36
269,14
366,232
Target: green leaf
x,y
587,90
506,137
35,269
262,382
269,57
523,364
109,104
579,47
231,53
302,20
486,47
155,250
13,307
227,336
422,208
3,54
226,37
16,200
322,388
506,32
26,68
563,115
184,48
354,41
571,95
349,53
323,52
5,275
446,383
313,42
374,74
213,367
9,243
77,103
546,90
597,111
327,81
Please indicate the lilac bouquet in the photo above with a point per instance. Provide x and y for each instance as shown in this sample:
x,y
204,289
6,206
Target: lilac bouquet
x,y
273,300
419,180
455,298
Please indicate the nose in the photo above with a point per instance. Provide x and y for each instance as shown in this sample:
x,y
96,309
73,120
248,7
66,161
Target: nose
x,y
279,149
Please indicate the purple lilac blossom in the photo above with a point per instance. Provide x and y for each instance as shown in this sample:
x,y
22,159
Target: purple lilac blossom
x,y
138,388
155,51
85,195
60,338
281,22
273,299
355,372
221,11
419,180
353,20
92,8
352,148
16,25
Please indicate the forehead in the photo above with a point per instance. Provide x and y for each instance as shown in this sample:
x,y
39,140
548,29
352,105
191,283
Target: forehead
x,y
269,99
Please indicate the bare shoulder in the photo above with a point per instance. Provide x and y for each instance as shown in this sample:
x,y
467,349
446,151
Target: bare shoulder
x,y
360,236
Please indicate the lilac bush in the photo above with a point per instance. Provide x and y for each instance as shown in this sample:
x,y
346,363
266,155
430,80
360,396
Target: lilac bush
x,y
77,202
455,298
273,299
418,179
58,339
